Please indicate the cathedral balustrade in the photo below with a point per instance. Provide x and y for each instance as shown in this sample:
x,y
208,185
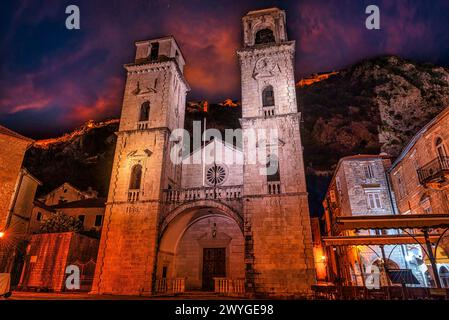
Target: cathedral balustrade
x,y
170,286
268,111
203,193
133,195
226,286
274,187
142,125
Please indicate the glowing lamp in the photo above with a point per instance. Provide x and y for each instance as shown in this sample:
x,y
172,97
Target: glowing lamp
x,y
2,234
323,258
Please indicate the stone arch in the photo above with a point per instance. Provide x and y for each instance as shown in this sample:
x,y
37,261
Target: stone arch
x,y
188,230
258,27
263,36
201,204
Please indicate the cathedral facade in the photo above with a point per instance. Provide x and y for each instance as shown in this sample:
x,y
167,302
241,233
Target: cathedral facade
x,y
208,225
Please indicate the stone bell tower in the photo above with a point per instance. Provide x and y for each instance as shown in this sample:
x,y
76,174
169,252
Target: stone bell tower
x,y
153,106
278,240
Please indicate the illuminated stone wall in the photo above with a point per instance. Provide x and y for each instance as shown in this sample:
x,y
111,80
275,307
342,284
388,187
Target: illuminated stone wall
x,y
279,255
48,256
12,150
127,254
189,256
412,196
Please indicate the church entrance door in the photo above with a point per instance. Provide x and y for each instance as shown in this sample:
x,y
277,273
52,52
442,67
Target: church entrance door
x,y
214,265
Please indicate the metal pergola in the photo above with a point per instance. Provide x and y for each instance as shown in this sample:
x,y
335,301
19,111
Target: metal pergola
x,y
433,228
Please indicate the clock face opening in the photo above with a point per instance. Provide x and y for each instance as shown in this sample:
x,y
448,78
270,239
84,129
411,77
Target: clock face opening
x,y
216,175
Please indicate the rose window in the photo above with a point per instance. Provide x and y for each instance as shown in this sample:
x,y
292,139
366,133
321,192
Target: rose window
x,y
216,175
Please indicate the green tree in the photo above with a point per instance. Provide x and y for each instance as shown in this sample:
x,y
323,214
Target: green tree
x,y
60,222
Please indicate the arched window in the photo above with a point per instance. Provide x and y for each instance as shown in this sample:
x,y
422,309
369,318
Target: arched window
x,y
441,150
136,177
273,168
268,97
444,276
426,204
144,111
264,36
154,54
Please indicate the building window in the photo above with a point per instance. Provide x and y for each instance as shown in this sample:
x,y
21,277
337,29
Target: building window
x,y
135,183
369,173
144,111
98,220
216,175
374,200
273,176
268,97
401,185
154,51
39,216
444,276
81,218
441,150
273,168
264,36
136,177
425,204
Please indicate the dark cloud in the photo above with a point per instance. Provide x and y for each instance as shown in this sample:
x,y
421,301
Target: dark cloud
x,y
52,79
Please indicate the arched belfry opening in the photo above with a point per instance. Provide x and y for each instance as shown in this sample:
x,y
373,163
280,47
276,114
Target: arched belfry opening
x,y
136,177
264,36
144,111
268,96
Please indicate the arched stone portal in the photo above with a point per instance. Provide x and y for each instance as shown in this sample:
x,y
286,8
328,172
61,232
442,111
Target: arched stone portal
x,y
199,244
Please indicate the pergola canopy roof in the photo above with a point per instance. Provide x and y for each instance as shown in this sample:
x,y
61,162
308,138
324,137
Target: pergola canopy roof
x,y
378,240
400,221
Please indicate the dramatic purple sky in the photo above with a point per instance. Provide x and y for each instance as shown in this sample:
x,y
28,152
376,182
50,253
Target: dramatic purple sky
x,y
53,79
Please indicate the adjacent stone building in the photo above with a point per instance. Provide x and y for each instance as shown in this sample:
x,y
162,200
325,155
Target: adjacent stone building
x,y
209,225
420,178
12,150
360,187
67,193
16,185
89,211
23,204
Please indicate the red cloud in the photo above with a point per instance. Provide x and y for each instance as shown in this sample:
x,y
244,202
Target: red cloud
x,y
211,55
105,105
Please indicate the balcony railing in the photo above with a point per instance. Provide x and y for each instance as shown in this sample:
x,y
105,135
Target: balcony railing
x,y
133,195
268,111
434,170
233,287
274,187
170,286
142,125
214,193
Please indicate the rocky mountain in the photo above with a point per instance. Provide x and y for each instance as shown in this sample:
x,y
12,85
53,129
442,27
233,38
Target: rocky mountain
x,y
374,106
83,158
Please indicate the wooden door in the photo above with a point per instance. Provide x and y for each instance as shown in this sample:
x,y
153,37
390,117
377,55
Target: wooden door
x,y
214,265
